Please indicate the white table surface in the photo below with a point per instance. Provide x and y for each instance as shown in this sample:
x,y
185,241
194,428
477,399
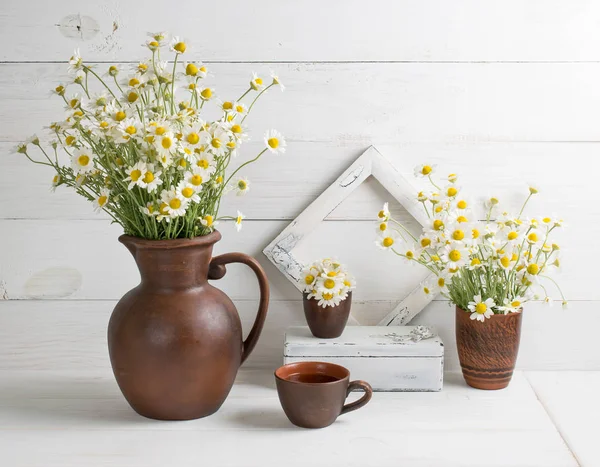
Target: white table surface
x,y
542,419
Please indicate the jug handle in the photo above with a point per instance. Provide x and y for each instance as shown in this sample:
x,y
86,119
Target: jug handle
x,y
217,270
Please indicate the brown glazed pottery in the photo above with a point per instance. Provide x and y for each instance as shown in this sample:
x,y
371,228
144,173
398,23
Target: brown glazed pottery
x,y
328,322
488,350
312,394
175,341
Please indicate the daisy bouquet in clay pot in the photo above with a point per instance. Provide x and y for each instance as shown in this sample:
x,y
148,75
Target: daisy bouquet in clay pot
x,y
488,262
327,297
135,144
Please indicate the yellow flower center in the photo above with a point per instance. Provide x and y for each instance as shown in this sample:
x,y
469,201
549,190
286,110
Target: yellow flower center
x,y
410,254
475,261
180,47
166,142
120,115
60,90
331,274
187,192
532,237
215,143
104,125
454,255
130,130
475,233
426,170
441,282
164,209
219,179
83,160
382,214
196,180
327,296
202,163
481,308
70,140
74,103
236,129
134,82
458,235
273,143
56,179
515,304
452,191
438,224
135,175
533,269
193,138
329,283
462,204
512,235
182,163
102,200
148,177
426,290
175,203
388,242
239,108
206,93
505,261
231,145
132,97
425,242
227,105
242,185
153,44
160,130
461,219
119,161
309,279
191,69
382,226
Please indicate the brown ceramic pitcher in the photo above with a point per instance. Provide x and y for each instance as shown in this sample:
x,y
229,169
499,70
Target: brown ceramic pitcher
x,y
175,341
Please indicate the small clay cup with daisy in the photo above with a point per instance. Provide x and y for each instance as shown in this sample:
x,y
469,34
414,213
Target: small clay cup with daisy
x,y
488,348
327,297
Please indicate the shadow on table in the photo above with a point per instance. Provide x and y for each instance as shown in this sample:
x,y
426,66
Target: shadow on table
x,y
266,419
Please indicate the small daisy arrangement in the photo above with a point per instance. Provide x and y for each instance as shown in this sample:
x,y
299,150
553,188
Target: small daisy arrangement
x,y
139,150
485,267
327,281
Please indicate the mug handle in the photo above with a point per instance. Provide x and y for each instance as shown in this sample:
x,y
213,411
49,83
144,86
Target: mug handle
x,y
354,385
217,270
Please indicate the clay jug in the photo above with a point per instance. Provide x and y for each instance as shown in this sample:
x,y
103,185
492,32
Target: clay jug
x,y
175,341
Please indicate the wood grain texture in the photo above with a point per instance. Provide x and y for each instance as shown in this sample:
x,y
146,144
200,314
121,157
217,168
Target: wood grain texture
x,y
346,30
80,420
68,335
370,103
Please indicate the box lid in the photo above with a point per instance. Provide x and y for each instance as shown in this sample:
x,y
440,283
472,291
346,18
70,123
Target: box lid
x,y
366,341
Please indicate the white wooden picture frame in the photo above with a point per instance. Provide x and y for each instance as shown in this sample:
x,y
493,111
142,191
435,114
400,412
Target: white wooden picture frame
x,y
370,163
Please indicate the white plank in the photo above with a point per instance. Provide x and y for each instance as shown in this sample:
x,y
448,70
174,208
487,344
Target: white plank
x,y
83,260
79,430
431,30
371,103
571,400
64,335
281,187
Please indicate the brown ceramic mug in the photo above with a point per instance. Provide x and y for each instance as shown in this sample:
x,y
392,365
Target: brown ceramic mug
x,y
312,394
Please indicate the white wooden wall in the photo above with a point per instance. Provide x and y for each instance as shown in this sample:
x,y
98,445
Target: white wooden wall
x,y
503,93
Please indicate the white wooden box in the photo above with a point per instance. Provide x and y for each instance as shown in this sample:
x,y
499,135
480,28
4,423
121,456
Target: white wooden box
x,y
390,358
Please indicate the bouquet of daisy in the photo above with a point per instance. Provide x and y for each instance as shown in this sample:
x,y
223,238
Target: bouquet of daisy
x,y
327,281
138,148
488,266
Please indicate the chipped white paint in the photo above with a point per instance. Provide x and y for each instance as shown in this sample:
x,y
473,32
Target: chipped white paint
x,y
388,360
57,282
3,291
370,163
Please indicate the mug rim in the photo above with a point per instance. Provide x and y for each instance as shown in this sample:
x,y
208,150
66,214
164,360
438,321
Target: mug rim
x,y
299,364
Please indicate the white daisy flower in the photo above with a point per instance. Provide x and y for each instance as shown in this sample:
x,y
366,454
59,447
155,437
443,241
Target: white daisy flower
x,y
206,93
329,299
455,255
196,178
238,221
56,181
491,203
257,83
82,161
308,278
128,129
75,62
216,139
532,270
188,192
195,70
513,305
192,135
178,45
275,142
102,200
452,178
389,239
277,81
205,161
326,284
176,204
208,221
410,254
135,174
384,214
150,180
480,309
451,191
424,170
242,186
150,209
240,108
237,131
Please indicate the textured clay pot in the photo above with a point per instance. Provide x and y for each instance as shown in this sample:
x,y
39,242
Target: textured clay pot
x,y
328,322
312,394
175,341
488,350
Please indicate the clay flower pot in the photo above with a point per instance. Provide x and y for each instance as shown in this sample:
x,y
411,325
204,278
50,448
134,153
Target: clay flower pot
x,y
328,322
175,341
488,350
